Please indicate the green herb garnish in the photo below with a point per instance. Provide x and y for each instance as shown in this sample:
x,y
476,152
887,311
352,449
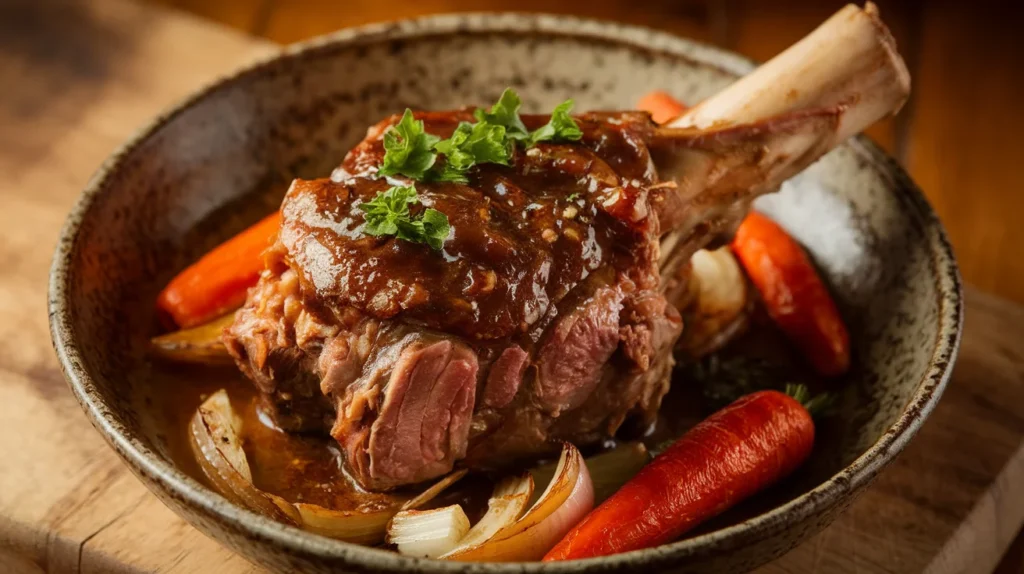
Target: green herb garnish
x,y
408,149
818,405
505,113
561,126
470,145
388,214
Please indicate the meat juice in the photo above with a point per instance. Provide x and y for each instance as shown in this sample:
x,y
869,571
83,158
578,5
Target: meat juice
x,y
309,467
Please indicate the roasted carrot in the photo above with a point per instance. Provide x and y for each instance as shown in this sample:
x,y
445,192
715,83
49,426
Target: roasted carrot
x,y
734,453
661,106
793,293
218,282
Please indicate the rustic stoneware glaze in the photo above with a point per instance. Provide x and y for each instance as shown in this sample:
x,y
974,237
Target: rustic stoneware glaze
x,y
194,176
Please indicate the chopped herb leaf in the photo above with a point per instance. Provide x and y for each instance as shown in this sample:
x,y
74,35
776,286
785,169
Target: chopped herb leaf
x,y
572,196
408,149
472,144
505,113
388,214
561,126
435,227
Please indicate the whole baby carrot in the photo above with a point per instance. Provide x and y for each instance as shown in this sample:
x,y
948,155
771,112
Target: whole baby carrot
x,y
218,282
729,456
794,295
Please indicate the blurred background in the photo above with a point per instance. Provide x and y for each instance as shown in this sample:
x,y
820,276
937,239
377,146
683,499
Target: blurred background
x,y
961,136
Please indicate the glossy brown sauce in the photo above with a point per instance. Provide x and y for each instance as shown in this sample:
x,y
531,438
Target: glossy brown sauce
x,y
523,236
497,277
298,467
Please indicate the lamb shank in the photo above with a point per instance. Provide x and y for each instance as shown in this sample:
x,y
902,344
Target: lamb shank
x,y
548,313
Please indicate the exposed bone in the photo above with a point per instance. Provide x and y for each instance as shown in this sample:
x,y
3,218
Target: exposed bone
x,y
849,60
770,125
719,171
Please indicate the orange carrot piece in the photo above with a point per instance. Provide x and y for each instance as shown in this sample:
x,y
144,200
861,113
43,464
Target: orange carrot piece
x,y
735,453
661,106
218,282
794,295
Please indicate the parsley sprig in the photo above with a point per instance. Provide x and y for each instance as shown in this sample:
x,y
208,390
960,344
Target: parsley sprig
x,y
472,144
408,149
412,152
388,214
505,113
561,126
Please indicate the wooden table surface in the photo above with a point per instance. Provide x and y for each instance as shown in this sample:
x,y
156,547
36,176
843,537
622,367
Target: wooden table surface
x,y
79,77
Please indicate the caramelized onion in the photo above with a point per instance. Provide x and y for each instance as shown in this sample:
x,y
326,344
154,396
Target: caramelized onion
x,y
510,499
215,440
719,302
438,487
608,470
350,526
567,499
200,344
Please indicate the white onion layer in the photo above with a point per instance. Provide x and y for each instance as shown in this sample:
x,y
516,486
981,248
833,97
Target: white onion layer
x,y
215,433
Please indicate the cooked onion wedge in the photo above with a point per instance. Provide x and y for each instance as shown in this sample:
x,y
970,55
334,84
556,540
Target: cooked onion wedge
x,y
608,470
200,344
367,527
428,533
510,500
719,302
350,526
215,438
568,497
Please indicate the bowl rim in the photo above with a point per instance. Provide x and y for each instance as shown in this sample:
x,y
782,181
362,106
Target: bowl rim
x,y
174,483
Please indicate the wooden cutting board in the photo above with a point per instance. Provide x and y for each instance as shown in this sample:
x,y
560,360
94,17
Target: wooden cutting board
x,y
79,77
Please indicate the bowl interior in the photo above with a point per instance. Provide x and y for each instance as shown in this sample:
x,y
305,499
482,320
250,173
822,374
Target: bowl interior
x,y
215,165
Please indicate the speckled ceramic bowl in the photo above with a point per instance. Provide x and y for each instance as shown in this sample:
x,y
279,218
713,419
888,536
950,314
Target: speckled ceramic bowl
x,y
195,175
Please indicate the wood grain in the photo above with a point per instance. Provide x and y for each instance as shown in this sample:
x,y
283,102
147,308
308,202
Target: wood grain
x,y
84,76
953,501
67,504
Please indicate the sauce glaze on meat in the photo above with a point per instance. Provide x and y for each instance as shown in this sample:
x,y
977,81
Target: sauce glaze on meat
x,y
540,320
522,236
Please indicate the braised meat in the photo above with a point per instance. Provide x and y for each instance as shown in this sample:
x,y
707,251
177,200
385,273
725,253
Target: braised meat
x,y
540,320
